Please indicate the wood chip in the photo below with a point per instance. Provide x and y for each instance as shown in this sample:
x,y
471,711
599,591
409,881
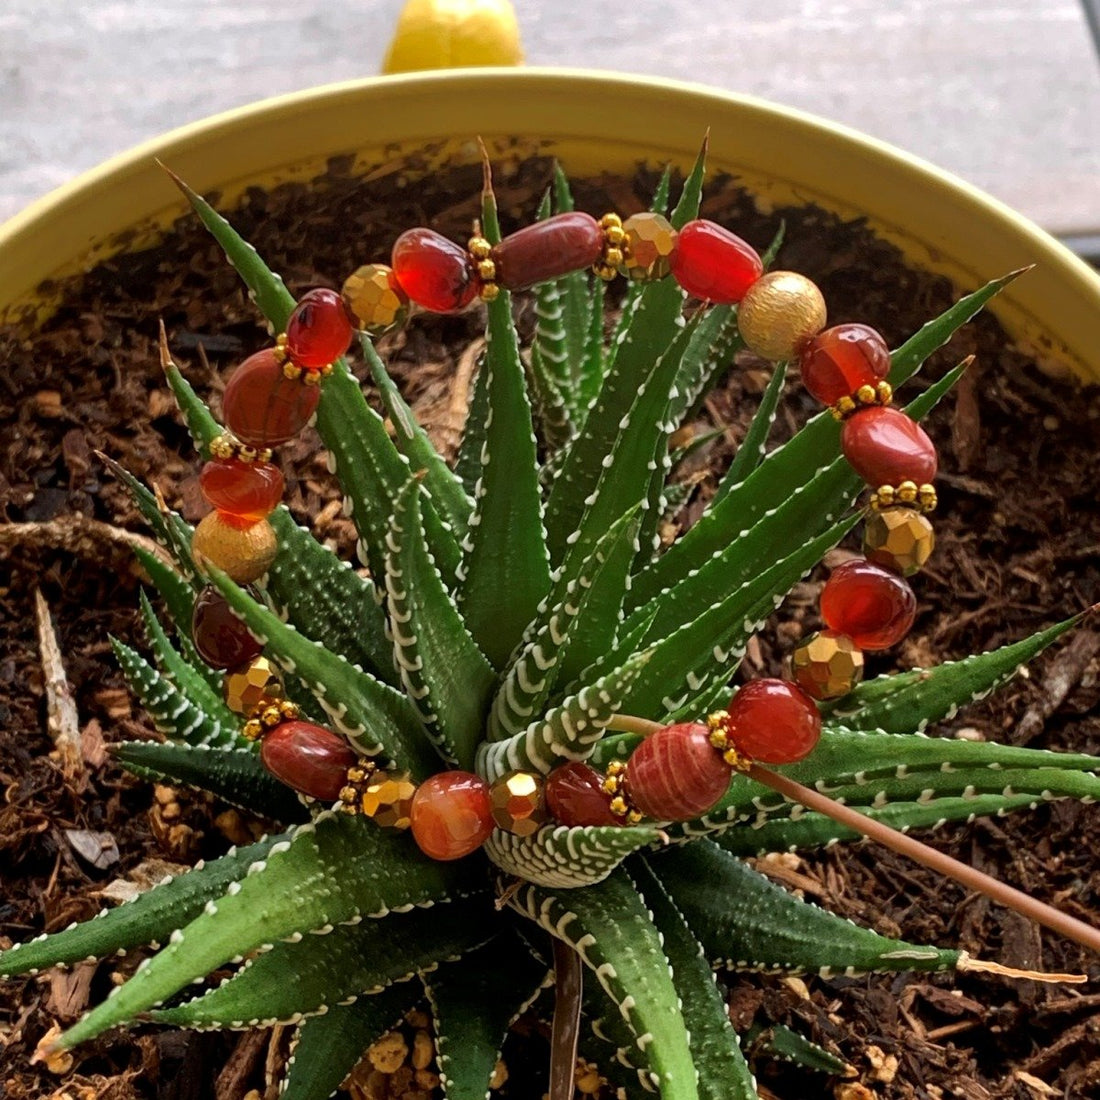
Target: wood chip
x,y
69,990
99,849
61,717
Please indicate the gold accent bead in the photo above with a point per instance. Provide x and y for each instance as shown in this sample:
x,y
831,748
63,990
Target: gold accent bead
x,y
885,496
843,408
247,455
866,395
614,235
326,370
349,795
357,773
292,371
489,292
611,221
900,539
374,299
647,250
487,271
618,806
479,248
613,257
926,494
780,312
223,446
907,492
245,554
605,271
518,803
252,687
253,729
827,665
289,711
387,799
281,340
271,716
313,377
885,393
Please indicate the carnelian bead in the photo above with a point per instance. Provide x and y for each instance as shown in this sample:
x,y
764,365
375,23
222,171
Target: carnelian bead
x,y
451,816
223,641
886,447
873,606
549,248
246,491
319,330
676,774
714,264
575,796
261,406
310,759
433,271
773,721
836,362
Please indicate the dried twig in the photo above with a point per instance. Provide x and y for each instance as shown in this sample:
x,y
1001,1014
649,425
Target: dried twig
x,y
61,717
76,534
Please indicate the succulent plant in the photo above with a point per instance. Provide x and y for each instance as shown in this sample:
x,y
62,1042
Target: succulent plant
x,y
510,608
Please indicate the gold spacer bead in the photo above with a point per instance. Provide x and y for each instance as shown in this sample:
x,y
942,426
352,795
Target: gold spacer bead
x,y
487,271
271,716
885,393
907,492
885,495
618,806
844,407
611,221
222,447
717,719
607,272
866,395
264,454
489,292
614,235
289,710
313,377
616,767
736,760
479,248
292,371
633,817
720,740
253,729
281,340
247,455
613,257
326,370
926,494
349,808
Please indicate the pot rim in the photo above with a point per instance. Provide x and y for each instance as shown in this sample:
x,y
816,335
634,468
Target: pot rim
x,y
592,119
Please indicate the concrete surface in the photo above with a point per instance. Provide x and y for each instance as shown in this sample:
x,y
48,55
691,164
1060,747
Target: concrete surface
x,y
1006,93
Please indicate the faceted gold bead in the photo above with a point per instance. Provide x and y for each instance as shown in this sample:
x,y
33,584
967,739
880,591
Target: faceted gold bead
x,y
647,254
387,798
374,300
899,538
780,312
827,665
245,553
252,687
518,803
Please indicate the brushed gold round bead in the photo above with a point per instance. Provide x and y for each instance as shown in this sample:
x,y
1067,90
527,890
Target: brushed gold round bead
x,y
900,539
245,554
252,687
647,250
518,803
780,312
387,799
827,665
374,300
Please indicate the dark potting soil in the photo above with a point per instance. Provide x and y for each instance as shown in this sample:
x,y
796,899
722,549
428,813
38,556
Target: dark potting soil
x,y
1018,535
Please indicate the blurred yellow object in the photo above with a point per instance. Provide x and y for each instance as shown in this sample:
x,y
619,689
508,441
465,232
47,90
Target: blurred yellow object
x,y
454,34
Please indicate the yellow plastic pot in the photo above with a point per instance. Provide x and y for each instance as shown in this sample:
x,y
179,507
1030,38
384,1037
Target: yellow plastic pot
x,y
593,122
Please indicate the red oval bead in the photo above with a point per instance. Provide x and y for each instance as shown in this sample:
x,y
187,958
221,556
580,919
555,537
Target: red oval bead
x,y
244,491
836,362
310,759
714,264
575,796
873,606
319,330
676,774
223,641
433,271
451,814
773,721
261,406
886,447
549,248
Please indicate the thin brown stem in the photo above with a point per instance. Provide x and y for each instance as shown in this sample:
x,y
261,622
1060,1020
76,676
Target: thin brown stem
x,y
1000,892
565,1029
628,723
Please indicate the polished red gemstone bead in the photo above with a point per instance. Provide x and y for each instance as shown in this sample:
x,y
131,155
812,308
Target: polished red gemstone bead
x,y
714,264
451,814
873,606
575,796
243,491
319,330
836,362
433,271
886,447
312,760
773,721
549,248
676,774
222,640
261,406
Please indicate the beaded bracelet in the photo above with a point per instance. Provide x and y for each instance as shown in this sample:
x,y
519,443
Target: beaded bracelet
x,y
677,772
